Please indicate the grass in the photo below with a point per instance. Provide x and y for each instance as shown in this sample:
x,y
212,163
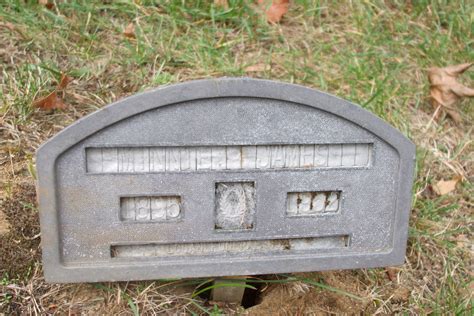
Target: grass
x,y
374,53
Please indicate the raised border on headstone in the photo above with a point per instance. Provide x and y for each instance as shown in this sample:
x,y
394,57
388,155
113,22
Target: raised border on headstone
x,y
222,177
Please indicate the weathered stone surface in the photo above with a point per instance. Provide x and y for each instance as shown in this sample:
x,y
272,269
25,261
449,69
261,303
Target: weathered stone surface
x,y
223,177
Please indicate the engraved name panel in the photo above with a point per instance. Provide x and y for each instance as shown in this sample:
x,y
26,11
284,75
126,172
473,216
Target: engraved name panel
x,y
193,158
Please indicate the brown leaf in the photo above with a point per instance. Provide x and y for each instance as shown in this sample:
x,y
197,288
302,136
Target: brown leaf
x,y
391,273
46,3
276,10
446,91
64,82
401,295
13,28
8,25
257,68
50,102
444,187
221,3
462,240
129,31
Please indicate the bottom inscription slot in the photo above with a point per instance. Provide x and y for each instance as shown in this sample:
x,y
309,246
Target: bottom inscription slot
x,y
230,247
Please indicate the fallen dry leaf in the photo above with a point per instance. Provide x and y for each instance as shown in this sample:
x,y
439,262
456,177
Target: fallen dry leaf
x,y
50,102
445,91
129,31
391,273
401,295
46,3
462,240
257,68
444,187
53,100
63,82
221,3
13,28
276,10
7,25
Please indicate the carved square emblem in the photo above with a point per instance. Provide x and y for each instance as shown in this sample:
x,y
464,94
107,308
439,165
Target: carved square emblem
x,y
235,206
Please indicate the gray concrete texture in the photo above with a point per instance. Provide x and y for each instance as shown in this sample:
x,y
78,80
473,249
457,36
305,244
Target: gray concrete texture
x,y
223,177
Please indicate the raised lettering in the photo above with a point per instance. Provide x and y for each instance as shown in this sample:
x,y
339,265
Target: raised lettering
x,y
172,159
292,156
335,156
304,203
307,156
234,157
312,203
157,159
141,160
278,157
218,158
204,158
109,160
263,157
321,155
143,208
158,208
249,157
172,208
126,160
188,158
319,202
348,155
332,202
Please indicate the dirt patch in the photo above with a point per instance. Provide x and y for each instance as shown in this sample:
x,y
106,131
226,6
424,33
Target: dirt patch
x,y
19,246
300,298
4,224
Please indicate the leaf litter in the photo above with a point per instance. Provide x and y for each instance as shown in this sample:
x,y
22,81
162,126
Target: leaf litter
x,y
446,91
444,187
54,100
276,10
129,31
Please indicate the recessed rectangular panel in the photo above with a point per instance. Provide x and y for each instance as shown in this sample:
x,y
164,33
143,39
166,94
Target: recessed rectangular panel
x,y
274,247
313,203
150,208
261,157
235,206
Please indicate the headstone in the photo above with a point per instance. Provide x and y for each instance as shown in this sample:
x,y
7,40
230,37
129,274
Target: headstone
x,y
223,177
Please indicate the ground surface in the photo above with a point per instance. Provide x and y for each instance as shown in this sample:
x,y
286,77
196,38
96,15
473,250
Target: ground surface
x,y
374,53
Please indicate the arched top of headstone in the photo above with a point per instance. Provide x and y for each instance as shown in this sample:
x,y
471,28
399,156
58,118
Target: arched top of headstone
x,y
222,88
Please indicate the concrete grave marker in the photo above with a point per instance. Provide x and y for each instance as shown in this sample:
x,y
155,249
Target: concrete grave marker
x,y
223,177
